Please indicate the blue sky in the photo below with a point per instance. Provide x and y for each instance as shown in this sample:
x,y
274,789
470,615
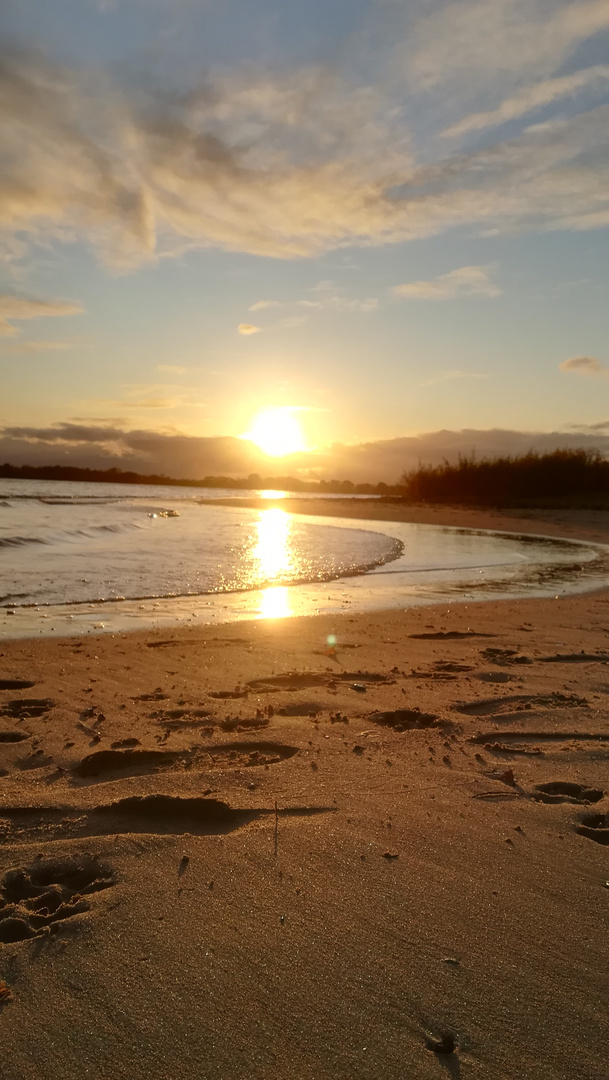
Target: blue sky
x,y
390,218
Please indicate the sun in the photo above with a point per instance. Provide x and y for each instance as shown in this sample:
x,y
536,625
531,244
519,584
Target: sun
x,y
277,431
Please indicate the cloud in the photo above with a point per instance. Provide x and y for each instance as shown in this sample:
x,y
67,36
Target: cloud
x,y
99,446
467,281
475,38
261,304
603,425
341,303
172,369
388,459
293,164
585,365
529,98
15,308
248,328
181,456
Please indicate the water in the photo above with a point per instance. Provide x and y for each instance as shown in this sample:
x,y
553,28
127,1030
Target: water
x,y
86,543
77,556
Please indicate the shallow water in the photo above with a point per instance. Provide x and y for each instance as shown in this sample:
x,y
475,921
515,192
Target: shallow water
x,y
71,546
77,557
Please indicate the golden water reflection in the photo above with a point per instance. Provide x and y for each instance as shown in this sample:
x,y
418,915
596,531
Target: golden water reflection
x,y
275,603
273,549
274,556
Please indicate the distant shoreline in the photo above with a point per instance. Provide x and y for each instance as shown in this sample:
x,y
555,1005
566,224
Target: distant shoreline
x,y
571,524
253,482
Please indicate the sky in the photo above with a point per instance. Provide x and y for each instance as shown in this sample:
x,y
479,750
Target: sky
x,y
387,220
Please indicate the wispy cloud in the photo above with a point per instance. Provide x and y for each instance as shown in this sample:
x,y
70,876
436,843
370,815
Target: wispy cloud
x,y
466,281
172,369
476,37
530,98
16,308
248,328
585,365
260,305
294,165
341,303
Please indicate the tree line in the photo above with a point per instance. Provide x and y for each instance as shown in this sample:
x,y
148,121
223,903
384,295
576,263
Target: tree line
x,y
253,482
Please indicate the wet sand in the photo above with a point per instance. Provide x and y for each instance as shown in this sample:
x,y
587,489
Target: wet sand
x,y
235,852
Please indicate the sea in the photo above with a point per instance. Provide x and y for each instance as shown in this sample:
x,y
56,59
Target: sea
x,y
81,557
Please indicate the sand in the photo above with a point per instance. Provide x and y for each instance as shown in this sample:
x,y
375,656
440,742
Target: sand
x,y
429,899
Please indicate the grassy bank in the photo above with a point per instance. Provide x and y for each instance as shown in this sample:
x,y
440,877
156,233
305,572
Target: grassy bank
x,y
564,478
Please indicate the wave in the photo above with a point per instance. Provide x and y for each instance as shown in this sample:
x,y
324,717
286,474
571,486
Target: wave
x,y
89,532
354,570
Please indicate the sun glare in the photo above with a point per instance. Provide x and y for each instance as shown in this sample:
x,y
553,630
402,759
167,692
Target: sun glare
x,y
277,432
274,557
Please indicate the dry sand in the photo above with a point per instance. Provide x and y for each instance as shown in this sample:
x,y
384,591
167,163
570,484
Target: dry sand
x,y
437,871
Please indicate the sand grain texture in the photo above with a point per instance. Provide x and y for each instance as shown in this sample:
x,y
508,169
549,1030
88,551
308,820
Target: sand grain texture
x,y
429,901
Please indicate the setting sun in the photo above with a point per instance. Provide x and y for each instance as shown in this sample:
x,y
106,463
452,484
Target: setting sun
x,y
277,431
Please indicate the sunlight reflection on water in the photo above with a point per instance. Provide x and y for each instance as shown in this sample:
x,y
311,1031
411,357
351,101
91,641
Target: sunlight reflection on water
x,y
274,556
275,602
273,551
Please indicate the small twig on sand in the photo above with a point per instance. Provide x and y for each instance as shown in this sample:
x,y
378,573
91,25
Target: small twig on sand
x,y
276,828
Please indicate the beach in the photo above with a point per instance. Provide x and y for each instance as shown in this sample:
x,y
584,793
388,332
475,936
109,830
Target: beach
x,y
327,848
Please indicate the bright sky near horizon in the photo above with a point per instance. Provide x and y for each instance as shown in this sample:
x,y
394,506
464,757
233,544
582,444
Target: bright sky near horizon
x,y
387,219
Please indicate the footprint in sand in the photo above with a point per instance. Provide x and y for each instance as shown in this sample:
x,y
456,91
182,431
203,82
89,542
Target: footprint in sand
x,y
543,742
575,658
226,695
518,703
558,791
154,814
449,635
441,670
22,708
244,723
494,676
302,708
595,827
306,680
104,765
407,720
505,657
39,898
